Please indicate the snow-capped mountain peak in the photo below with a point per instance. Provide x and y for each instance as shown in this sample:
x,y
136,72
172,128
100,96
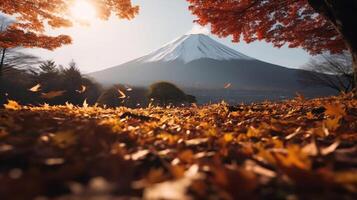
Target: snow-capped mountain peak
x,y
193,47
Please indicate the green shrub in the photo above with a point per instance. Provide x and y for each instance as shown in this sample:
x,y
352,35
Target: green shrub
x,y
165,93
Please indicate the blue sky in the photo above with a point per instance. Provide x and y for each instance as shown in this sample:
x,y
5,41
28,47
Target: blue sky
x,y
105,44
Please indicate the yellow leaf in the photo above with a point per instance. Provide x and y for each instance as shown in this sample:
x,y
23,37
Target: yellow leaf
x,y
228,137
12,105
35,88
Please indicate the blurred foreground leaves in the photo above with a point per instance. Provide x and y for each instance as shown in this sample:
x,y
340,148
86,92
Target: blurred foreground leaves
x,y
297,149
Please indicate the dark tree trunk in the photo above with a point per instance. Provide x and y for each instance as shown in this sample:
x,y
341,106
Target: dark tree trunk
x,y
3,52
342,14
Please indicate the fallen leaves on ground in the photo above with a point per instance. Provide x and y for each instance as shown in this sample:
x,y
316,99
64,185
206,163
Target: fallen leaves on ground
x,y
296,149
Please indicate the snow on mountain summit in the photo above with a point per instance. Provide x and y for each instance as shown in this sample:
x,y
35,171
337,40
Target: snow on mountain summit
x,y
193,47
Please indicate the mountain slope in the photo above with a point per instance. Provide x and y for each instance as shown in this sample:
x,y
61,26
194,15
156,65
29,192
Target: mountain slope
x,y
197,62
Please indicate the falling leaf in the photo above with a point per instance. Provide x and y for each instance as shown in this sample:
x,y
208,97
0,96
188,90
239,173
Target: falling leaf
x,y
129,89
35,88
82,90
12,105
122,94
52,94
228,85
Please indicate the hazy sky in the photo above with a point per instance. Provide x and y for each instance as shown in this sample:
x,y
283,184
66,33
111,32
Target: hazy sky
x,y
105,44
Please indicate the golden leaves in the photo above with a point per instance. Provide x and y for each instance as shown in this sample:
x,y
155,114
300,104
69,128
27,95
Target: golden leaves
x,y
12,105
212,151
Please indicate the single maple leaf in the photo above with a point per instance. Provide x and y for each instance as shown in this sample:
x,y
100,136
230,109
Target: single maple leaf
x,y
35,88
335,110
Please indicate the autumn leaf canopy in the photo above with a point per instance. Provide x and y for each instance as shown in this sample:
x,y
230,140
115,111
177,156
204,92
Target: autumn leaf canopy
x,y
34,16
291,22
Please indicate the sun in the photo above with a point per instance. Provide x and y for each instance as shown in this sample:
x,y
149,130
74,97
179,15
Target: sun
x,y
82,10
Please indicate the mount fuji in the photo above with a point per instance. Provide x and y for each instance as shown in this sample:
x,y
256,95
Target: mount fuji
x,y
203,66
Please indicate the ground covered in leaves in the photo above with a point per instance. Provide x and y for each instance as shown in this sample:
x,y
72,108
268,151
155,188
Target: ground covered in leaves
x,y
297,149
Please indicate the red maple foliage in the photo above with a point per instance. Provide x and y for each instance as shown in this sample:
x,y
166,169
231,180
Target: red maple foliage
x,y
33,16
315,25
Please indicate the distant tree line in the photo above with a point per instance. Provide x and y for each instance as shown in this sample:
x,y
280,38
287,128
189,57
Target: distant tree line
x,y
27,80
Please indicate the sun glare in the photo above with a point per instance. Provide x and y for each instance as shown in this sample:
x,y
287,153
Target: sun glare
x,y
82,10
